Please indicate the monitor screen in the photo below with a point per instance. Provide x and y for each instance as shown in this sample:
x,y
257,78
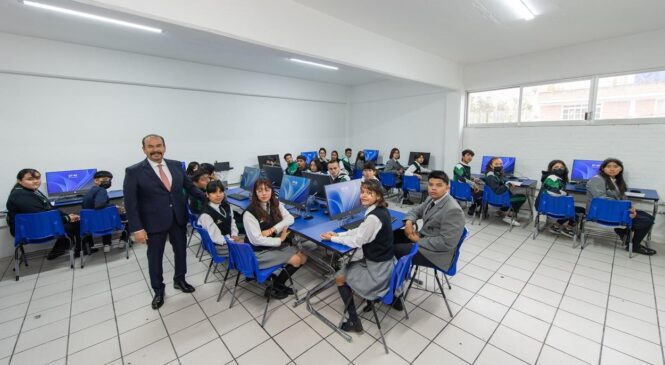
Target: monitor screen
x,y
412,157
317,183
222,166
508,164
69,182
343,199
249,177
585,169
371,155
270,160
294,190
274,174
309,156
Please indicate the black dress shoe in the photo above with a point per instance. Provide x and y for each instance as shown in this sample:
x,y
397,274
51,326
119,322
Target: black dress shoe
x,y
275,293
397,304
54,254
157,301
184,286
349,326
286,289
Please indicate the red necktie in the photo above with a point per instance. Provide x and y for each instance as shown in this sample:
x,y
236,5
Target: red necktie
x,y
165,179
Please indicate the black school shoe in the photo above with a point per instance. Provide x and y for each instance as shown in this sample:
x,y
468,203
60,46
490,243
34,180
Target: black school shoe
x,y
273,292
283,288
642,250
349,326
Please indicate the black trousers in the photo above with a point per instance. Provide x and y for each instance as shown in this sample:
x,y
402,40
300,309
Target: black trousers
x,y
402,247
72,229
156,243
642,224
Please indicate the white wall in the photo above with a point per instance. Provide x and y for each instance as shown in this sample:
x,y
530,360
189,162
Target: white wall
x,y
399,114
64,106
640,146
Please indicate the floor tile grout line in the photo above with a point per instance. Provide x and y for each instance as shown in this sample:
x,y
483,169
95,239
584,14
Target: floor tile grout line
x,y
660,330
71,306
602,339
18,336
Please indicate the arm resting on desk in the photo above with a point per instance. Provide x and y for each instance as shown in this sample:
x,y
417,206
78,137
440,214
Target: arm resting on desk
x,y
357,237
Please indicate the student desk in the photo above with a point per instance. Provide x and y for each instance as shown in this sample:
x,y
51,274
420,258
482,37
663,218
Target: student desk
x,y
77,200
525,183
242,204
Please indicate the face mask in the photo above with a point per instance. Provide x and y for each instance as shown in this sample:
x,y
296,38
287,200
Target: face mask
x,y
498,169
559,172
105,184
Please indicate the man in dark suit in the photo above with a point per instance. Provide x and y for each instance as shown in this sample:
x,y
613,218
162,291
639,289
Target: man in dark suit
x,y
155,205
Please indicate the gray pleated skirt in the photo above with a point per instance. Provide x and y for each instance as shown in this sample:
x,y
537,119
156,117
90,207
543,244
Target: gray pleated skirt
x,y
222,250
270,258
369,279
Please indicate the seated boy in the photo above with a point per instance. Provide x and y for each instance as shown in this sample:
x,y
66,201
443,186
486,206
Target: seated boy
x,y
98,198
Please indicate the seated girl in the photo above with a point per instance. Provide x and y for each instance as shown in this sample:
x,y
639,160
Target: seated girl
x,y
496,180
217,217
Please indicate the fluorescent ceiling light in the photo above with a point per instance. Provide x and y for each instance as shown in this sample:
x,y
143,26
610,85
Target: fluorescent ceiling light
x,y
90,16
310,63
520,9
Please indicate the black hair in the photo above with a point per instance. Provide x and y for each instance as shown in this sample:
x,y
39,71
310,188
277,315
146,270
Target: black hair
x,y
358,157
301,157
565,169
322,149
348,150
418,155
488,167
287,154
618,180
102,174
438,174
468,152
316,164
193,166
369,166
207,168
152,136
392,152
375,187
335,161
335,153
213,186
32,172
198,174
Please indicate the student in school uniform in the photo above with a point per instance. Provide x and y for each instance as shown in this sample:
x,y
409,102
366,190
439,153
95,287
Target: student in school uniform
x,y
369,277
415,169
301,162
217,217
266,223
554,181
192,167
496,180
336,172
462,173
291,166
334,156
98,198
200,179
610,184
395,167
209,169
370,172
346,160
322,160
314,166
360,160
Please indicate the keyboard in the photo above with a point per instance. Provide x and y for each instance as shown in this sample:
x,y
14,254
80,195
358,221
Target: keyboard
x,y
356,224
239,196
581,183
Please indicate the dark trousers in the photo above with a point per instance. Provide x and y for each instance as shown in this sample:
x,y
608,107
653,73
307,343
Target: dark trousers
x,y
156,244
402,247
73,230
642,224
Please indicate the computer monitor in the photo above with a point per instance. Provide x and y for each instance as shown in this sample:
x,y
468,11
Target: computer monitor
x,y
294,191
263,160
222,166
585,169
371,155
343,199
317,183
412,157
70,182
508,164
309,156
274,174
249,177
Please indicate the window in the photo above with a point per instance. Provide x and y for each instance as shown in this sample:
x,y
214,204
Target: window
x,y
560,101
632,96
496,106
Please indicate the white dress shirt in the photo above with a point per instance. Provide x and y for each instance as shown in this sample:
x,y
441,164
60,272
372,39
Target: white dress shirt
x,y
164,167
365,233
412,169
208,223
253,228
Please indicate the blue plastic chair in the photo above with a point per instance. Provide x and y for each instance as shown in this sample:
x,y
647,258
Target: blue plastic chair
x,y
490,198
37,228
411,184
100,222
243,260
388,180
396,286
610,213
556,207
215,258
357,174
452,270
462,193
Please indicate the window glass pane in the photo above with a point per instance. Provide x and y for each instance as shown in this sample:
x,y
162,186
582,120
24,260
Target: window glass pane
x,y
632,96
560,101
496,106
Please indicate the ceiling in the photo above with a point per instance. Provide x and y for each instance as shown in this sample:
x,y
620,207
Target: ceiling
x,y
175,42
471,31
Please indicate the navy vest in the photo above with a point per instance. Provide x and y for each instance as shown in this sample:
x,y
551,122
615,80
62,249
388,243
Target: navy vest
x,y
381,248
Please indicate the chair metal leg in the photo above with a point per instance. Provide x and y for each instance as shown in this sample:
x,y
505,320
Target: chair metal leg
x,y
17,263
629,242
233,295
444,296
205,281
406,311
413,276
265,310
445,277
536,226
295,292
191,234
219,296
71,253
346,309
378,324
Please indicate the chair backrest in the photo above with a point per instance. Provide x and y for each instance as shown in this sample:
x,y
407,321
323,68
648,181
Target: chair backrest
x,y
388,179
452,269
38,227
609,212
99,222
243,259
411,183
556,206
399,275
357,174
496,200
193,218
208,244
461,191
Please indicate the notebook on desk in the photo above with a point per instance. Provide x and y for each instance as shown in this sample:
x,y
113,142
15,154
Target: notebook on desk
x,y
633,194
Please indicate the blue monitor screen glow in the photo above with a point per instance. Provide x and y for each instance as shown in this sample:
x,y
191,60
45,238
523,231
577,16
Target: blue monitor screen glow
x,y
585,169
343,199
309,156
69,182
294,190
249,177
508,164
371,155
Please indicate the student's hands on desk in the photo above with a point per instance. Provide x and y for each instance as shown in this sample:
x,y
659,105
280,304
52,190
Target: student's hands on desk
x,y
328,235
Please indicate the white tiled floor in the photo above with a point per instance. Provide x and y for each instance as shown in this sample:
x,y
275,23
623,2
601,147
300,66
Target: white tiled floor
x,y
515,301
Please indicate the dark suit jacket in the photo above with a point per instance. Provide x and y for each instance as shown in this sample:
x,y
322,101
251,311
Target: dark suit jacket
x,y
149,205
